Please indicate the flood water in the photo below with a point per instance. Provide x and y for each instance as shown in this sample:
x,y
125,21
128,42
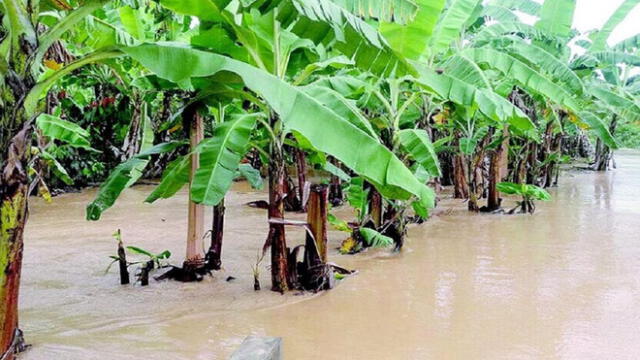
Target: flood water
x,y
562,284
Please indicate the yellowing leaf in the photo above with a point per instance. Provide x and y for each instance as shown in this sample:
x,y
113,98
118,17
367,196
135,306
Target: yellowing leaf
x,y
440,118
348,246
52,64
175,128
43,191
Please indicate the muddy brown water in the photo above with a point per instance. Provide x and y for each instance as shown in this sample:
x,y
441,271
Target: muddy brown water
x,y
562,284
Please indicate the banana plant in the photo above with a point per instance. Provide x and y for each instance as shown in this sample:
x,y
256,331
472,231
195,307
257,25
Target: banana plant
x,y
393,107
529,193
263,65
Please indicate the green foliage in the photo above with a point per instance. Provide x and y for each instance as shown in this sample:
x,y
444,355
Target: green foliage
x,y
601,36
358,197
398,11
374,239
556,17
156,258
123,176
451,23
66,131
470,97
355,149
175,176
527,191
628,135
419,146
599,128
252,175
338,224
220,156
411,40
526,6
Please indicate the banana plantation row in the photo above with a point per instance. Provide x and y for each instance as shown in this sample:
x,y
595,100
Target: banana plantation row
x,y
379,104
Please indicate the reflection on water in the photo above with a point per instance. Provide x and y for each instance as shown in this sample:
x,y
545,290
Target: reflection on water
x,y
563,284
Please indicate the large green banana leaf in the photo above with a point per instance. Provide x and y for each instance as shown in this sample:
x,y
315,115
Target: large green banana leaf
x,y
323,22
417,143
451,24
462,68
546,62
398,11
499,13
175,176
220,156
58,170
63,130
599,128
496,31
111,189
341,106
556,17
327,131
630,44
130,19
601,36
412,39
146,143
207,10
605,59
123,176
65,24
525,75
490,104
622,106
526,6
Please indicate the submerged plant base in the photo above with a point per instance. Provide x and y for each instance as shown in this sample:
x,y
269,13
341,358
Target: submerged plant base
x,y
18,345
487,210
185,274
350,246
523,207
322,277
394,231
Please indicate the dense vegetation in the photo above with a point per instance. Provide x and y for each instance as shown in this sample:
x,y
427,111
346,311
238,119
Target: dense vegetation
x,y
385,101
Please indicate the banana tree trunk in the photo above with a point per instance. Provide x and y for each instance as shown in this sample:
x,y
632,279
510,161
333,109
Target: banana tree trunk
x,y
316,246
301,167
532,164
604,155
497,172
504,160
475,173
317,275
277,240
556,168
375,206
214,255
14,185
461,188
195,231
493,202
14,216
336,198
553,167
132,143
520,175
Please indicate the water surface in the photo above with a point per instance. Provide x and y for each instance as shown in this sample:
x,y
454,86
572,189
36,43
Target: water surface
x,y
562,284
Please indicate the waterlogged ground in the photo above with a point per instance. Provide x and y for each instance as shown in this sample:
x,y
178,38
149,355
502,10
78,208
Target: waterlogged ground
x,y
563,284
